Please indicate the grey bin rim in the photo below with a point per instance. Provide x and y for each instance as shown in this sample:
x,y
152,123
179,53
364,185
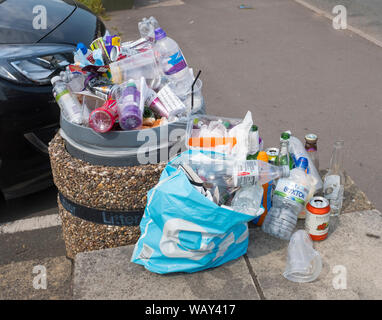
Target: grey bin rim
x,y
113,152
122,139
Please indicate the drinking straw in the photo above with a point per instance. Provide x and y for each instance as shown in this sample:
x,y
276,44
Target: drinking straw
x,y
192,89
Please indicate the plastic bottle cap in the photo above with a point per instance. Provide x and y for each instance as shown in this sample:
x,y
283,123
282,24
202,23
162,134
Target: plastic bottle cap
x,y
262,156
55,79
302,163
82,47
160,34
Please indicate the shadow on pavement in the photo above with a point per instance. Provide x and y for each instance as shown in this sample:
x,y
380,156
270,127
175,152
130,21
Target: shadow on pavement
x,y
37,204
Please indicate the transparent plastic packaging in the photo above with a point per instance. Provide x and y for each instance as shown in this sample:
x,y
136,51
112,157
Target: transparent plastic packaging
x,y
228,172
136,66
130,102
304,264
297,148
186,97
248,200
226,135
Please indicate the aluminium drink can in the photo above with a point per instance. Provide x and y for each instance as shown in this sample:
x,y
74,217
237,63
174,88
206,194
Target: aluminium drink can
x,y
272,153
317,218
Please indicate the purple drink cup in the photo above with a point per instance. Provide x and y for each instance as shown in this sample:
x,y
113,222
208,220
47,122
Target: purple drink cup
x,y
130,117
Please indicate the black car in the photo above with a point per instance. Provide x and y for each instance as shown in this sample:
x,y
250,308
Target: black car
x,y
37,40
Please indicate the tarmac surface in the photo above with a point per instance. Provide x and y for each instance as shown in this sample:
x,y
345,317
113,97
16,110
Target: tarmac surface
x,y
288,66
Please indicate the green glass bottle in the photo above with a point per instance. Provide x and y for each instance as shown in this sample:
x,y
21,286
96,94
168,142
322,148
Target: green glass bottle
x,y
285,158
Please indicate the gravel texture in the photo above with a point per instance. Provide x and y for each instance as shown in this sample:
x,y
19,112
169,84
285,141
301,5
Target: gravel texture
x,y
81,235
100,187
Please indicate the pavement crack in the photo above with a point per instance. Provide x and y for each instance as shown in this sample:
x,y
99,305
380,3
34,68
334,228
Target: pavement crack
x,y
254,278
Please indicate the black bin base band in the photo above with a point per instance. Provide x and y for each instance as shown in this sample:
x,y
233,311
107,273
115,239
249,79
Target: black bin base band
x,y
111,218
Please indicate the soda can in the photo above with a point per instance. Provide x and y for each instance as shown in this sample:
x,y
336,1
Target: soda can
x,y
100,44
317,218
272,153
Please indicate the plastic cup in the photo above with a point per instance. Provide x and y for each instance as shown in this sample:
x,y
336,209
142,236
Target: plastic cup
x,y
198,98
304,264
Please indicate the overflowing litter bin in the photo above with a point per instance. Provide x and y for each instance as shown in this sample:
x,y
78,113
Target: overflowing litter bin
x,y
124,110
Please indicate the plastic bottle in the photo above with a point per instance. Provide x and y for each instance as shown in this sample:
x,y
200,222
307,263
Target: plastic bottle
x,y
254,143
102,119
74,80
297,149
248,199
88,55
172,62
267,193
69,104
230,173
289,198
130,114
334,180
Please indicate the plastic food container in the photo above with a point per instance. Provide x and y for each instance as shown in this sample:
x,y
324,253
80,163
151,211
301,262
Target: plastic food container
x,y
214,131
136,66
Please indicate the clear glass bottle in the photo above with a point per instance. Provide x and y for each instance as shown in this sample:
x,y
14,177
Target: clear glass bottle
x,y
334,180
311,148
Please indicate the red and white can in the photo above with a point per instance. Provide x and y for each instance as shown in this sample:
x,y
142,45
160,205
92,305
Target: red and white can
x,y
317,218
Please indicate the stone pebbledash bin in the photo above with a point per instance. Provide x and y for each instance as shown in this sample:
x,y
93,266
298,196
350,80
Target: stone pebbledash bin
x,y
102,183
100,206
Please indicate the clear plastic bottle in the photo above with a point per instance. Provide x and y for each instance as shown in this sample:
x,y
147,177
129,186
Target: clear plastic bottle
x,y
230,173
172,62
289,198
334,180
248,199
74,80
69,104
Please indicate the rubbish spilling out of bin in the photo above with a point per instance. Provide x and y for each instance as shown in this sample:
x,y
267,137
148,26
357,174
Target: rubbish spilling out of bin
x,y
197,214
133,85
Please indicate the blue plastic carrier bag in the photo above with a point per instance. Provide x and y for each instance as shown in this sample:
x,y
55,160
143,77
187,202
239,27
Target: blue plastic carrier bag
x,y
183,231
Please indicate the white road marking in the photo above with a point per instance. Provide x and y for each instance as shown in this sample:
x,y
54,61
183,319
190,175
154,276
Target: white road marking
x,y
30,224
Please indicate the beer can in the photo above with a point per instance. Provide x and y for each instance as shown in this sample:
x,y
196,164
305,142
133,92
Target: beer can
x,y
272,153
317,218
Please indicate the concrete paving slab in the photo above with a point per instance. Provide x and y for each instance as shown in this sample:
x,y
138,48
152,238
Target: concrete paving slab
x,y
353,246
17,280
109,274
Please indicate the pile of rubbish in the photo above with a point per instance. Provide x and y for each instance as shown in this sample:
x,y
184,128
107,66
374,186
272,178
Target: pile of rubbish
x,y
196,216
133,85
226,179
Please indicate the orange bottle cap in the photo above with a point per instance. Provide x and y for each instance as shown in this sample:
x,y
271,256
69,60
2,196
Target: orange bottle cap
x,y
262,156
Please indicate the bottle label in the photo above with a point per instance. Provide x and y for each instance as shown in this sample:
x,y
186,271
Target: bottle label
x,y
63,92
316,224
332,186
247,174
176,63
292,191
171,102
